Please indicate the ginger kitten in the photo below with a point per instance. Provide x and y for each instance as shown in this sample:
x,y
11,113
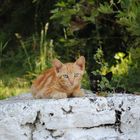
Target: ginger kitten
x,y
60,81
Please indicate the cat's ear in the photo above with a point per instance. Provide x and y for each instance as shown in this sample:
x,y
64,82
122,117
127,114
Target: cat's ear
x,y
81,63
57,64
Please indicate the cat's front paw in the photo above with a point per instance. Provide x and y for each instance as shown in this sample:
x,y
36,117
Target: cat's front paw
x,y
58,95
79,94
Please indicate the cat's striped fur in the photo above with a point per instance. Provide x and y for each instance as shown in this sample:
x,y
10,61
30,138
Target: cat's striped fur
x,y
60,81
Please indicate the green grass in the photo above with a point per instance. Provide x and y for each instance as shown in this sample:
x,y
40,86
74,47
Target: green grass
x,y
27,61
12,85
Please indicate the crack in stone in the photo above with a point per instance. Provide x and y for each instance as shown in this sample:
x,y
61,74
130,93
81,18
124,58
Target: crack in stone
x,y
67,112
51,114
92,100
102,125
115,125
118,120
120,105
58,136
32,125
52,131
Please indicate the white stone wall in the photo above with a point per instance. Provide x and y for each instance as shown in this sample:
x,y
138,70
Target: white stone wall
x,y
89,118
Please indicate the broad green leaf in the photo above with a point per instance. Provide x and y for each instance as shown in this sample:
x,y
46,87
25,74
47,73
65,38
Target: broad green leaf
x,y
61,4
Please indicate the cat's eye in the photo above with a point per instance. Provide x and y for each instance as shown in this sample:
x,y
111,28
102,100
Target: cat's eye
x,y
76,74
65,76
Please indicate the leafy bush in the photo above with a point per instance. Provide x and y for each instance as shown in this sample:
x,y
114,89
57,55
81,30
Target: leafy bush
x,y
105,32
40,56
102,31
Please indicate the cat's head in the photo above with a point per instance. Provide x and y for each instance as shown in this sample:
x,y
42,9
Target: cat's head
x,y
69,75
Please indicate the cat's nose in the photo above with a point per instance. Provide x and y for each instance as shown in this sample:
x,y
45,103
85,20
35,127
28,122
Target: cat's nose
x,y
71,81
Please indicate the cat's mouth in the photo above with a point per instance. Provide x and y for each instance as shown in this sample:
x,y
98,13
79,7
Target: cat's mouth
x,y
68,85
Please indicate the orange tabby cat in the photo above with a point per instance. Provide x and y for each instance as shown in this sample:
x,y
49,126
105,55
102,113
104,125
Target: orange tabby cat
x,y
60,81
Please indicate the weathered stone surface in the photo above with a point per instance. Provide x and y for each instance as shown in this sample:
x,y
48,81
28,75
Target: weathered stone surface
x,y
89,118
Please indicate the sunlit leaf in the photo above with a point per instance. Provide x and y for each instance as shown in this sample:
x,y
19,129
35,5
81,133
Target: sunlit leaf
x,y
119,55
61,4
105,8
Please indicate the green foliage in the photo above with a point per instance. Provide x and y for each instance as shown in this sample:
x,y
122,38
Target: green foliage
x,y
122,64
133,76
103,69
11,85
23,45
116,24
43,52
46,52
85,81
105,32
35,55
100,60
105,8
129,16
105,84
2,47
126,72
